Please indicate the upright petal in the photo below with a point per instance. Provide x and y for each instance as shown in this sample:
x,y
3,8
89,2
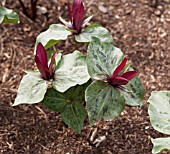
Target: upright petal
x,y
129,75
78,19
51,63
119,68
41,55
41,68
118,80
76,5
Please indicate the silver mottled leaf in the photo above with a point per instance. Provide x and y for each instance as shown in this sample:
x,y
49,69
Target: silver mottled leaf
x,y
71,71
54,34
134,93
160,144
102,58
31,90
94,30
159,111
103,102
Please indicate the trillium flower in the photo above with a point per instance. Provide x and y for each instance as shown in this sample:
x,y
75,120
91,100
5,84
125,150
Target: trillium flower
x,y
76,14
47,71
118,79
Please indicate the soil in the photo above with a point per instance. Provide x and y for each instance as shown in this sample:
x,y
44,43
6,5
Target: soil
x,y
141,29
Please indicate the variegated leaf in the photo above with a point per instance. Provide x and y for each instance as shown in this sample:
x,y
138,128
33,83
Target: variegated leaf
x,y
31,90
103,102
159,111
94,30
102,58
71,71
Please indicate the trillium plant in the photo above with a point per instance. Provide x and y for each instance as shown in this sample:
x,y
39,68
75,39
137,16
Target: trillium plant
x,y
95,86
76,26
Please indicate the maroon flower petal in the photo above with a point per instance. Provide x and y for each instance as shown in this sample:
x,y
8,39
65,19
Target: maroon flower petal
x,y
51,63
129,75
78,19
41,55
41,68
76,5
119,68
118,80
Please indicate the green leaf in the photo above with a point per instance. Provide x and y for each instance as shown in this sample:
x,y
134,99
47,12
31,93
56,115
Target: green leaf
x,y
74,115
8,16
69,104
94,30
134,93
53,35
71,71
159,111
103,102
102,58
55,100
31,90
160,144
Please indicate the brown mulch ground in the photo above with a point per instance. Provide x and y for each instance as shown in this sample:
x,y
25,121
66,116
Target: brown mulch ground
x,y
140,28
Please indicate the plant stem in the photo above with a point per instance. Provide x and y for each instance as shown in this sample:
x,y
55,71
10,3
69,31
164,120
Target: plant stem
x,y
24,9
33,9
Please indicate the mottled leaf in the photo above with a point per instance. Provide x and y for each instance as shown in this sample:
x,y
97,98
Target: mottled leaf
x,y
102,58
69,104
8,16
103,102
53,35
71,71
134,93
31,90
160,144
94,30
159,111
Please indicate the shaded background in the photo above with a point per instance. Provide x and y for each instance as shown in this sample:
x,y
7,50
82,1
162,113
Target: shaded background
x,y
141,29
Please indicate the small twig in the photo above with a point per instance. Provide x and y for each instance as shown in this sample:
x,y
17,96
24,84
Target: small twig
x,y
44,147
90,3
13,58
93,134
26,17
5,75
45,116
